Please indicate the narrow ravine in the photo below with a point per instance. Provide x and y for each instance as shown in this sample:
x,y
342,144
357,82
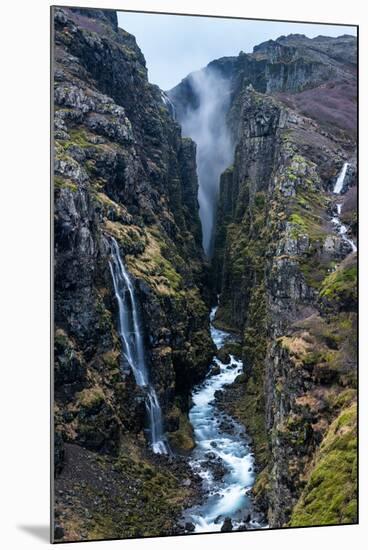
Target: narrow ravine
x,y
206,124
341,228
222,456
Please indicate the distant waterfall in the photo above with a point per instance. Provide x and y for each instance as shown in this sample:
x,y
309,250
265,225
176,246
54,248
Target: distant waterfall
x,y
341,228
340,179
131,335
169,104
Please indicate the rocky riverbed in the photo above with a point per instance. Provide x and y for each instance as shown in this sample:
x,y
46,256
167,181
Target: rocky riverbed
x,y
223,457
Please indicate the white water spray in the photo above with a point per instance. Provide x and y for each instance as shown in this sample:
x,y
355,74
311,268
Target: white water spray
x,y
206,125
340,179
169,104
131,335
221,442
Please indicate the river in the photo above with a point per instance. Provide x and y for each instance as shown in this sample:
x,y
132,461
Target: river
x,y
222,456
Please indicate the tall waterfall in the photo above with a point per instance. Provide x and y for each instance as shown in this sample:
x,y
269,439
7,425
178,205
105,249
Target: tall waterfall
x,y
340,179
206,125
131,335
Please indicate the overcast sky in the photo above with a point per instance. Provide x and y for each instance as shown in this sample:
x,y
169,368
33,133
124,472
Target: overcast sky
x,y
177,45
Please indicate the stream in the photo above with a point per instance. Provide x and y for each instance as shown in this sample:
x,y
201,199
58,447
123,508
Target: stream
x,y
341,228
222,456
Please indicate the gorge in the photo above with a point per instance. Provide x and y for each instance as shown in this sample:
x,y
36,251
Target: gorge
x,y
205,369
204,121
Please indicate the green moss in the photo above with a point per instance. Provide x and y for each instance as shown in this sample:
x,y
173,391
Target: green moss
x,y
64,183
250,407
343,399
330,494
91,398
79,137
158,494
261,485
259,200
182,440
151,265
131,238
300,225
195,304
339,289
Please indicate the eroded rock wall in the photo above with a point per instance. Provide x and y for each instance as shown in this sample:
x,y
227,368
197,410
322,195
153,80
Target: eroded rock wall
x,y
277,260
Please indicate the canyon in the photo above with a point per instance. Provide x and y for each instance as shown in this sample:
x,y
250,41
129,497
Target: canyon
x,y
205,263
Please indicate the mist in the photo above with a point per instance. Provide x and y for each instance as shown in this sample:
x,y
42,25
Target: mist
x,y
206,125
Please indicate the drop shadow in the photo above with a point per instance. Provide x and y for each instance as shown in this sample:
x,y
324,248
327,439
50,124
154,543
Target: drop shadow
x,y
40,532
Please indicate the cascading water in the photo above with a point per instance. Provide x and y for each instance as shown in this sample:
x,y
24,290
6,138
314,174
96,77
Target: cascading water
x,y
341,228
206,125
131,335
169,104
340,179
222,456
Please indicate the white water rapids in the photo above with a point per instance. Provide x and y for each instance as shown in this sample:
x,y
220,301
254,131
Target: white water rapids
x,y
222,456
131,335
341,228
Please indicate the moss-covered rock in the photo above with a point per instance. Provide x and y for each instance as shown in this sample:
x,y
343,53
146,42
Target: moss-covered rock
x,y
141,492
339,289
330,496
182,439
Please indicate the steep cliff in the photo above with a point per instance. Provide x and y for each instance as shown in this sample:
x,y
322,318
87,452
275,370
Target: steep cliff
x,y
121,169
286,278
287,282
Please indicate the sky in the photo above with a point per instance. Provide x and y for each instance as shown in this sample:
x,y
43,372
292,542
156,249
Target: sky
x,y
174,46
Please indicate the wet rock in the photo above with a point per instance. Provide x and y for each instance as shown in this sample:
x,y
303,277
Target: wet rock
x,y
227,526
189,527
210,455
215,370
223,356
218,519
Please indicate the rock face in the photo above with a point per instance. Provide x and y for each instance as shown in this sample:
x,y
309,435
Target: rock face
x,y
121,169
276,254
286,280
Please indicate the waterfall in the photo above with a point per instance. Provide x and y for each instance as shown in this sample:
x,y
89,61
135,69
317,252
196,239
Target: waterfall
x,y
206,125
169,104
132,341
341,228
340,179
